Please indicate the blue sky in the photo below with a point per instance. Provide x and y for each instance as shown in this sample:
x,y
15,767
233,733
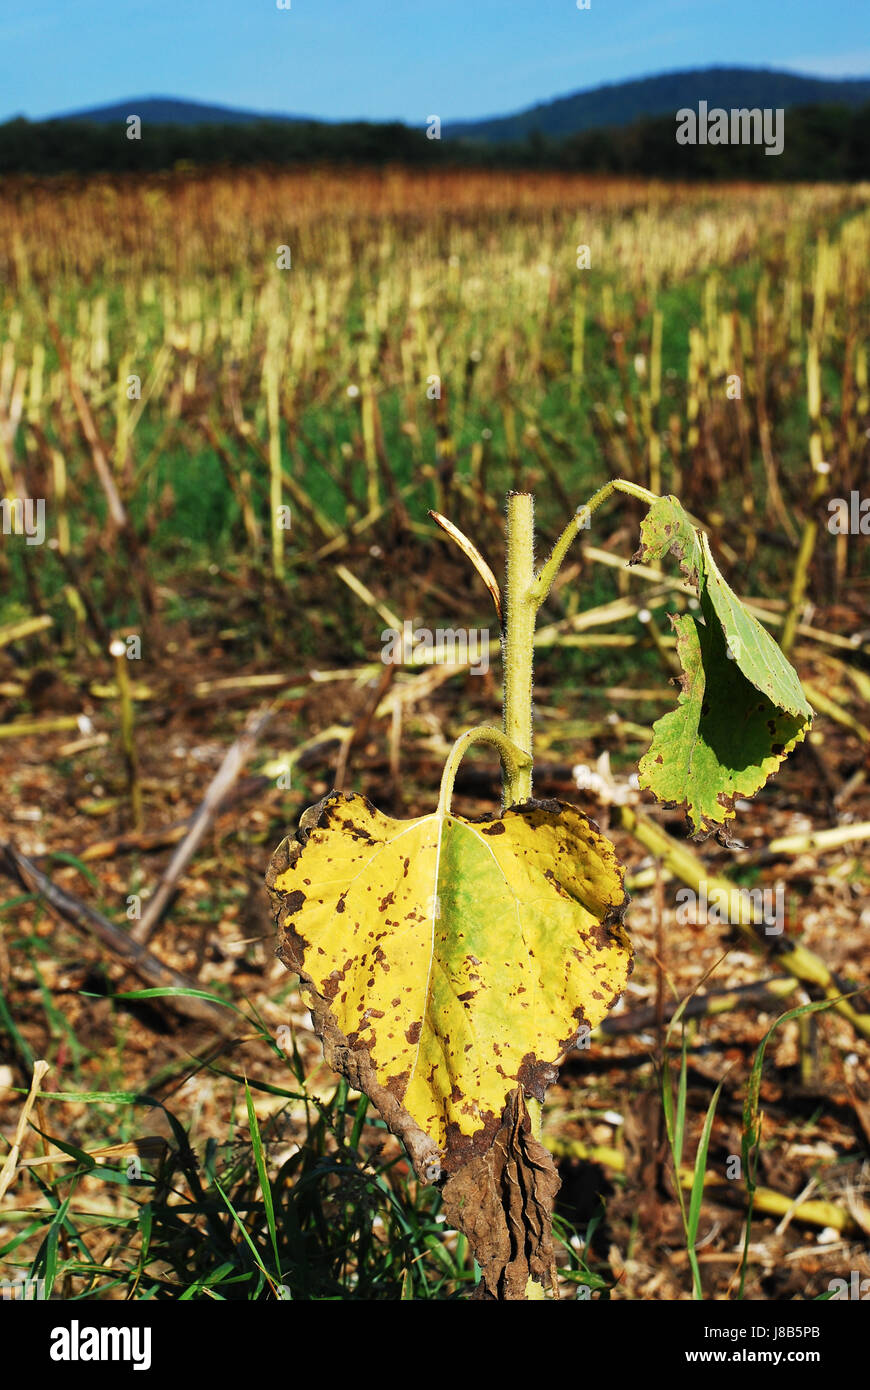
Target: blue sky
x,y
397,59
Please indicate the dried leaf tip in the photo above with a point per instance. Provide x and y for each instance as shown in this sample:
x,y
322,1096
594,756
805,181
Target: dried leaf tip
x,y
470,549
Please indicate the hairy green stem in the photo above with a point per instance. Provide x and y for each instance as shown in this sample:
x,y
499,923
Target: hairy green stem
x,y
525,592
519,634
513,760
543,583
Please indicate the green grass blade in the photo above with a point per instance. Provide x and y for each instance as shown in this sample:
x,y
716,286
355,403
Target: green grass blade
x,y
680,1117
751,1137
243,1231
697,1193
262,1173
701,1167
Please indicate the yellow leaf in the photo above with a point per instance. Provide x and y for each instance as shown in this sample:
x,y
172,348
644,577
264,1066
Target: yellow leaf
x,y
451,959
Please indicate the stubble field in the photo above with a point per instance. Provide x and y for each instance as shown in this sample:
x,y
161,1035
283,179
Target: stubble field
x,y
236,397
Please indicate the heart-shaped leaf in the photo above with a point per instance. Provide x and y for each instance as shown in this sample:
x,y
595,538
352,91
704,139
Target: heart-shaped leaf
x,y
449,960
741,710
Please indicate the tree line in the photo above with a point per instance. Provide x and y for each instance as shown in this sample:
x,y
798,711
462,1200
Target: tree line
x,y
822,142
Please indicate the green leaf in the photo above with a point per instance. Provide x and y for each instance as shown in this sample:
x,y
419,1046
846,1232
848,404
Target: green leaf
x,y
667,527
722,741
752,647
448,960
741,709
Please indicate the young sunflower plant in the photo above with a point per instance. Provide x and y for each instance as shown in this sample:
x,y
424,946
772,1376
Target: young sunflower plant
x,y
450,962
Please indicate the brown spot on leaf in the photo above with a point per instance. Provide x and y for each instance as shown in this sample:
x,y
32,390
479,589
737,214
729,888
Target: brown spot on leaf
x,y
413,1033
397,1085
535,1076
582,1022
551,877
357,832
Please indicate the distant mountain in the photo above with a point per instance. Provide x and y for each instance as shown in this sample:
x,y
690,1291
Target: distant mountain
x,y
174,111
621,103
600,132
613,105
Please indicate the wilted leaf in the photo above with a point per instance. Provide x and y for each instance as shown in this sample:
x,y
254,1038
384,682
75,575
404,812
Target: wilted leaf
x,y
450,959
741,710
503,1201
